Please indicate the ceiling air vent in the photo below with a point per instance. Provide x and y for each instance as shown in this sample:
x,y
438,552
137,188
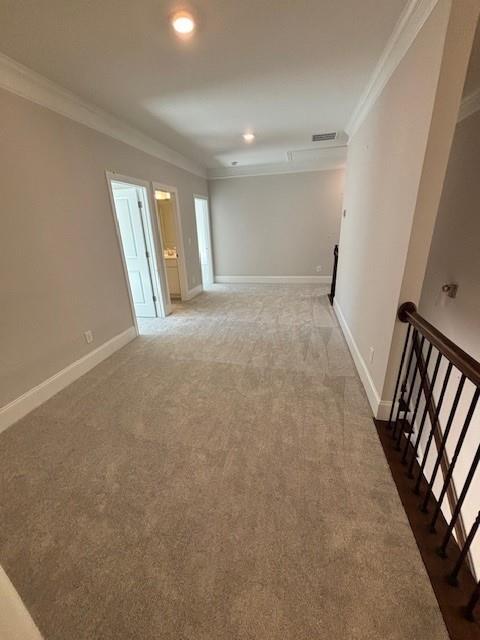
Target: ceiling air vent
x,y
321,137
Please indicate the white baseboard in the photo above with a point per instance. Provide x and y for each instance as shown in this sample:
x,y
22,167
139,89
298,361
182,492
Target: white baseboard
x,y
384,408
380,408
33,398
15,621
273,279
194,292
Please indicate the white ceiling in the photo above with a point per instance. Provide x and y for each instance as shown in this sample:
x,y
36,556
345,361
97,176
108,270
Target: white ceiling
x,y
283,68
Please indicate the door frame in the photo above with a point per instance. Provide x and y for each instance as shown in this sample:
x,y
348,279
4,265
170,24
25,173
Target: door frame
x,y
181,262
159,277
209,232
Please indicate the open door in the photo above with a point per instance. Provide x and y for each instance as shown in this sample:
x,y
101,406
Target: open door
x,y
204,240
139,256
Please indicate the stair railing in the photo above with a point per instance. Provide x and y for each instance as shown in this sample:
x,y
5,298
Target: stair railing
x,y
425,382
331,295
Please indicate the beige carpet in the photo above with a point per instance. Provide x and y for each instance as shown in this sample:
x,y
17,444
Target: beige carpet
x,y
219,478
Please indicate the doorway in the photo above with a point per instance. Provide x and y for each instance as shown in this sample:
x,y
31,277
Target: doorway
x,y
134,228
169,226
204,239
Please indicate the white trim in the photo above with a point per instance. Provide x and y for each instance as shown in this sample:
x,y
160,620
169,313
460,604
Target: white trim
x,y
181,261
157,261
209,234
30,400
276,168
29,84
411,20
470,104
372,393
15,621
273,279
194,292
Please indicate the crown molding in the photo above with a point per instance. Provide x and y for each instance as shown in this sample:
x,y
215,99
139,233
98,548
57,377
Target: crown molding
x,y
411,20
470,104
329,159
265,170
29,84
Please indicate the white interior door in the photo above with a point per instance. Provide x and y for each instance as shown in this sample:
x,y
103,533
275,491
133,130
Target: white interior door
x,y
204,240
132,233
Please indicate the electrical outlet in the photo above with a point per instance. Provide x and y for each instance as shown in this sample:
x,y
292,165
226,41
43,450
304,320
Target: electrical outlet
x,y
371,355
318,268
88,335
189,242
194,279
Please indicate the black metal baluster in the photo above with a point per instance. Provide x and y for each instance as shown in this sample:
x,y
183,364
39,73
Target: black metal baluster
x,y
442,551
404,385
399,376
417,403
453,575
410,392
472,603
456,453
443,444
428,400
404,422
434,424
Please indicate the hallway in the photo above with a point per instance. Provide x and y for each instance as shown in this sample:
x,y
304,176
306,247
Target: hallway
x,y
219,478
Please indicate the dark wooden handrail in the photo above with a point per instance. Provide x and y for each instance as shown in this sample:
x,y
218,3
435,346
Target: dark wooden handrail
x,y
457,356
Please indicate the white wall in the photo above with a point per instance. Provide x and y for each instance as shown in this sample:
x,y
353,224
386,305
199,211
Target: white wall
x,y
278,225
460,34
455,251
60,262
395,168
455,257
384,165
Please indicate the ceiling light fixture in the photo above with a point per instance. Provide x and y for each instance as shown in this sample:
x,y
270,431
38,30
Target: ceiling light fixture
x,y
248,137
183,23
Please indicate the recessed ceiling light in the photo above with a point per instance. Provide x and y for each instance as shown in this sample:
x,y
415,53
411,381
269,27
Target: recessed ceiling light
x,y
248,137
183,22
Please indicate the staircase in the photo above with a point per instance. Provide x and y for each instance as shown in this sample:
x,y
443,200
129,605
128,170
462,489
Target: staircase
x,y
428,444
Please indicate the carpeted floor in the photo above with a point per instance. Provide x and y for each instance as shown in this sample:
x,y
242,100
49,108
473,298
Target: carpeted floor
x,y
219,478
